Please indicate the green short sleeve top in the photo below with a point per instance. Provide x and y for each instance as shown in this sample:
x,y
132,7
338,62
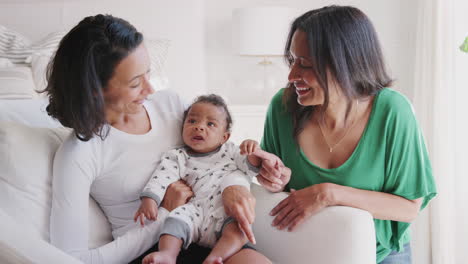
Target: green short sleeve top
x,y
390,157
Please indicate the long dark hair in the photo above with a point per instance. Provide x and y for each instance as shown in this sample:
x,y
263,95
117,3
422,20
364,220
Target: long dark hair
x,y
342,41
81,69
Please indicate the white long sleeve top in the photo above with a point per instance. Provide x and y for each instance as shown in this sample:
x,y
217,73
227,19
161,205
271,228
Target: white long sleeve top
x,y
113,171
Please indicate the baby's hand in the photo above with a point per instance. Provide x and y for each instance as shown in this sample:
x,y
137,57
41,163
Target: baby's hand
x,y
248,147
148,209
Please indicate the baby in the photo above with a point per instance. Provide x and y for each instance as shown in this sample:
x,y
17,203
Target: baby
x,y
205,160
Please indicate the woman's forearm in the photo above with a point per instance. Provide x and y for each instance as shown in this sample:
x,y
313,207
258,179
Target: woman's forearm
x,y
381,205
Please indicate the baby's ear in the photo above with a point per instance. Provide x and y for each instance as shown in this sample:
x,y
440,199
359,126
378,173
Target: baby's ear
x,y
226,136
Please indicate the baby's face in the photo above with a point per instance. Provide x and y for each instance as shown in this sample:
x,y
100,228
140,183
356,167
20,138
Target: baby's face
x,y
205,128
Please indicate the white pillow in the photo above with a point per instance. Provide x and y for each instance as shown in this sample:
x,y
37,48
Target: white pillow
x,y
47,45
158,50
13,45
26,158
16,83
19,49
39,64
42,52
5,63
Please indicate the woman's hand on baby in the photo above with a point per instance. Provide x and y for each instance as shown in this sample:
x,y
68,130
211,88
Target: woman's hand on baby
x,y
178,193
148,209
240,204
300,205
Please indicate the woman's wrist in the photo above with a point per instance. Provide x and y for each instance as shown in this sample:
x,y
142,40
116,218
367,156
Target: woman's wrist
x,y
235,197
168,205
329,193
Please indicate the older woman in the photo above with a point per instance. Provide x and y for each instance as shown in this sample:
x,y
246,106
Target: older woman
x,y
347,138
98,86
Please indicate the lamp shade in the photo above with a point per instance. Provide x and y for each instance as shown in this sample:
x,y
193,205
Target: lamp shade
x,y
262,31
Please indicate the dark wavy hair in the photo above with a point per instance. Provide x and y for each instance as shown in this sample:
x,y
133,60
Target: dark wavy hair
x,y
84,63
343,42
217,101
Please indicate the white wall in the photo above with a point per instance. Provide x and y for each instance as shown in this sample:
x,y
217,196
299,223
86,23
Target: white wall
x,y
461,81
240,79
180,21
202,57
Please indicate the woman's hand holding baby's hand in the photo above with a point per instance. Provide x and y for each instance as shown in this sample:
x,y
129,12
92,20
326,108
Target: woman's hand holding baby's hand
x,y
148,209
248,147
273,175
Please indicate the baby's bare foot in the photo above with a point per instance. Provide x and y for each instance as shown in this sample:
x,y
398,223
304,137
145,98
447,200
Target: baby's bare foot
x,y
213,260
159,258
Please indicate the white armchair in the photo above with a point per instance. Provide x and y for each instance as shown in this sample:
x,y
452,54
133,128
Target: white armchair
x,y
336,235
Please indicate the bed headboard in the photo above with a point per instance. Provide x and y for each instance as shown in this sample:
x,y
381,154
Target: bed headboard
x,y
182,22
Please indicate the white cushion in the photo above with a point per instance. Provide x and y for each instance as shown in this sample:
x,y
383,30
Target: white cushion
x,y
16,83
39,64
30,112
26,157
335,235
157,50
17,246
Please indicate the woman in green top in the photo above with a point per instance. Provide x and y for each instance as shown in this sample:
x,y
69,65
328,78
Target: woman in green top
x,y
346,139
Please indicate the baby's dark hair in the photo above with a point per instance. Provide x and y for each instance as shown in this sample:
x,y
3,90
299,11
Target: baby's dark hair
x,y
215,100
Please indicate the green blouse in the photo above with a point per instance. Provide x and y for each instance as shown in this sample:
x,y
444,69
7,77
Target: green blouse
x,y
390,157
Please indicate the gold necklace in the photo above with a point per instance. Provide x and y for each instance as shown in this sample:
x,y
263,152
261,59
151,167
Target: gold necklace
x,y
342,137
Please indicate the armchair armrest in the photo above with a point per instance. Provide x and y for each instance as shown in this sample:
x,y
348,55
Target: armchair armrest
x,y
337,234
19,246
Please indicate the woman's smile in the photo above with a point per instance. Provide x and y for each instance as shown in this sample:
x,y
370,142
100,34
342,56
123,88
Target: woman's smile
x,y
301,88
302,91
